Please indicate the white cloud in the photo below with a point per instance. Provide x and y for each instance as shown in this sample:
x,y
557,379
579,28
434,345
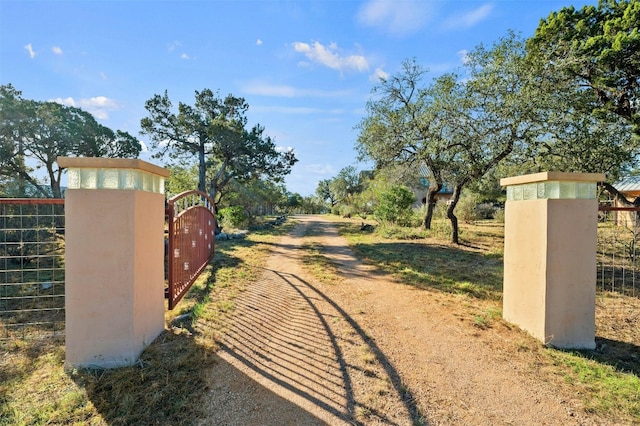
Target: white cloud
x,y
329,56
259,42
98,106
396,17
67,101
99,101
284,149
320,169
173,45
469,19
284,91
287,110
32,53
379,74
103,75
464,56
57,50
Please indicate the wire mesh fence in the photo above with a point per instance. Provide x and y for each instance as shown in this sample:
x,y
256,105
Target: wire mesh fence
x,y
31,268
618,279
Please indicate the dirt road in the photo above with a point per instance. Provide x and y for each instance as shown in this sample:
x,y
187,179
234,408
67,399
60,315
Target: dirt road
x,y
367,350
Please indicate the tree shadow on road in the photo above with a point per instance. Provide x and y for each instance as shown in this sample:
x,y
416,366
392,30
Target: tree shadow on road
x,y
291,334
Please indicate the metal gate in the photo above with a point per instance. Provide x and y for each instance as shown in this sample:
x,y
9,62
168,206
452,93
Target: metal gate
x,y
190,241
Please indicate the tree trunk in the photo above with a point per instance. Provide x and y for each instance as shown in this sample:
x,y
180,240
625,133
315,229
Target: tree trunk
x,y
25,177
55,189
202,169
430,201
54,181
452,217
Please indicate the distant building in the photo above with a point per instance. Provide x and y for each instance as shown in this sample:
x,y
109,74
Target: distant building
x,y
630,188
444,194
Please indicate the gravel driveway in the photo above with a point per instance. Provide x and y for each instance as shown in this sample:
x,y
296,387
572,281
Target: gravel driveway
x,y
367,350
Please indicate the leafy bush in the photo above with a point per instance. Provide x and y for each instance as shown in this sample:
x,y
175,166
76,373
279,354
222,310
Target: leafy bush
x,y
346,210
466,209
417,217
485,211
395,206
233,217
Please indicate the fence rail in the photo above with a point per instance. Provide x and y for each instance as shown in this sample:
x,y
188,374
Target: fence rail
x,y
31,268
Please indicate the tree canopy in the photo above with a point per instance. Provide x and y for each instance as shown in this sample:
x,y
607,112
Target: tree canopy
x,y
214,131
598,49
565,100
43,131
588,67
460,126
325,192
401,128
485,114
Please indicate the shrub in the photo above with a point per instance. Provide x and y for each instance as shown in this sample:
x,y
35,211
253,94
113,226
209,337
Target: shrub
x,y
395,206
466,209
346,210
485,211
233,217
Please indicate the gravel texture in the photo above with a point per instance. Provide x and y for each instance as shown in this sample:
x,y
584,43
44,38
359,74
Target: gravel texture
x,y
367,350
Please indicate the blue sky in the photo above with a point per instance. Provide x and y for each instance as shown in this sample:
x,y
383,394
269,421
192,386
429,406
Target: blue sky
x,y
306,68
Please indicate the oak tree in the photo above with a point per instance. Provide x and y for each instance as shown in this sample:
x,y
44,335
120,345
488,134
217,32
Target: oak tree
x,y
34,132
596,48
401,128
214,130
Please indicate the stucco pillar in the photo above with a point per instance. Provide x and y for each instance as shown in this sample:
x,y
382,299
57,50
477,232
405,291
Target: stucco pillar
x,y
114,254
550,256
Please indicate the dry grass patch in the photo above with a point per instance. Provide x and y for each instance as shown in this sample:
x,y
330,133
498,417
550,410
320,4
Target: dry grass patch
x,y
169,380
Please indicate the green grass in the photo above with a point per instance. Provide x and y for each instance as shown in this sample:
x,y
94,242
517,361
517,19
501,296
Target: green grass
x,y
437,265
605,390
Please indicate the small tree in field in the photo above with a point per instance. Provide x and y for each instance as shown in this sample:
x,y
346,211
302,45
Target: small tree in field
x,y
395,206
